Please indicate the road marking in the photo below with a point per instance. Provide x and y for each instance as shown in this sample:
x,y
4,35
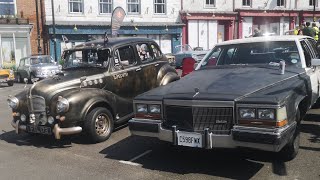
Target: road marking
x,y
130,162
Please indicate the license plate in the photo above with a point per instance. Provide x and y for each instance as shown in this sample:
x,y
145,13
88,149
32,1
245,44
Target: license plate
x,y
189,139
39,129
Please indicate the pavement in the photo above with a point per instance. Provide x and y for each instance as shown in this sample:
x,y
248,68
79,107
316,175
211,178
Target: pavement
x,y
125,157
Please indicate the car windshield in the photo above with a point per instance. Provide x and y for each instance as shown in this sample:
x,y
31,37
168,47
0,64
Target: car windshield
x,y
85,58
253,53
41,59
183,48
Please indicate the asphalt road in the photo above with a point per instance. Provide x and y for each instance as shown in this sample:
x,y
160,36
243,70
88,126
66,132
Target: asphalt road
x,y
124,157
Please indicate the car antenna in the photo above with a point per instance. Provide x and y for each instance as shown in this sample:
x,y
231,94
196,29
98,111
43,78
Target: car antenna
x,y
106,39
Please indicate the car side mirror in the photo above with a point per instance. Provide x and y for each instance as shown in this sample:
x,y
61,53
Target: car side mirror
x,y
315,62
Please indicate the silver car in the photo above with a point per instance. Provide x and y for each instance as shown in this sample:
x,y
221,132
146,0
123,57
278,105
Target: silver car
x,y
37,66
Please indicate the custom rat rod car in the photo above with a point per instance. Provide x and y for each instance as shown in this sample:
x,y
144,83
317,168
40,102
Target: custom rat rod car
x,y
253,94
95,90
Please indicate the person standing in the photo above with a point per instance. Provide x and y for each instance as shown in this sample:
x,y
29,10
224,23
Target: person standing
x,y
316,30
308,31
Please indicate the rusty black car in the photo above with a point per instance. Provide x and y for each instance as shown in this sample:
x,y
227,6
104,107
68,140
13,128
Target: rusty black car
x,y
94,92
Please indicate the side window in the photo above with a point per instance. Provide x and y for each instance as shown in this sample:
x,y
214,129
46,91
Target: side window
x,y
144,52
124,57
313,44
306,52
27,61
21,64
156,51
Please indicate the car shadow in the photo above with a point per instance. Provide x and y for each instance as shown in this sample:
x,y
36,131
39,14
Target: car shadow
x,y
162,156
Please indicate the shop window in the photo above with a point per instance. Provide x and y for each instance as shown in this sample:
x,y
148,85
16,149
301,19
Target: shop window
x,y
133,6
160,6
281,3
313,2
210,3
75,6
246,3
105,6
7,7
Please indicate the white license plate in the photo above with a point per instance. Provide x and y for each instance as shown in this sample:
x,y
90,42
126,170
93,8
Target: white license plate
x,y
189,139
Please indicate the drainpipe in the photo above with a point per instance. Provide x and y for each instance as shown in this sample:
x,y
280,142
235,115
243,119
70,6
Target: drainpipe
x,y
54,32
38,28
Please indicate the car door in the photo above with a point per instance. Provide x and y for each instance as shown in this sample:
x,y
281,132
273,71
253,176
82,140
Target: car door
x,y
125,81
22,68
315,55
312,72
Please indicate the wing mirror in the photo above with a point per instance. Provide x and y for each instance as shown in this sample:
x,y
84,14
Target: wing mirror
x,y
315,62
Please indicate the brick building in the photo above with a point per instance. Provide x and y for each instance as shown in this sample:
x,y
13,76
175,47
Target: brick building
x,y
18,29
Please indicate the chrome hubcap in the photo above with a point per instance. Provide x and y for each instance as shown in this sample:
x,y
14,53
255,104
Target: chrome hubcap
x,y
102,124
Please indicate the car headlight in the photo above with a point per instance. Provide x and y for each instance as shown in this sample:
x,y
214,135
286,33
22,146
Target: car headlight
x,y
266,114
247,113
155,109
62,105
50,120
23,118
13,102
142,108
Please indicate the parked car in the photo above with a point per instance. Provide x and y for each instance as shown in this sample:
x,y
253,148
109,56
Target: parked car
x,y
7,76
36,66
94,92
253,95
184,51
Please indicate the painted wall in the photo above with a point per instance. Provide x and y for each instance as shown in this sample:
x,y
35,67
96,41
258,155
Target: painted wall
x,y
91,12
272,5
200,5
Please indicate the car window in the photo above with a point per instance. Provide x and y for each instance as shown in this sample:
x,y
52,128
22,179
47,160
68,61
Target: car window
x,y
156,51
86,58
21,62
212,57
124,57
27,61
307,53
144,52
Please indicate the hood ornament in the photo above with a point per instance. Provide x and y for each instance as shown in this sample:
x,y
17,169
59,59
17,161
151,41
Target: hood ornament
x,y
197,92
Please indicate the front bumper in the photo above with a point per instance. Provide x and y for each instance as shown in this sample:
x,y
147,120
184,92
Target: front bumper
x,y
4,80
257,138
57,131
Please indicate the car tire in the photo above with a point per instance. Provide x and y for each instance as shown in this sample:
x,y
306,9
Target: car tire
x,y
19,79
31,77
290,151
10,83
99,124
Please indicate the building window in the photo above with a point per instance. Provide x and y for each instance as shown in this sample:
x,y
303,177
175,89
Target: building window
x,y
313,2
133,6
105,6
246,2
160,6
210,3
7,7
75,6
281,3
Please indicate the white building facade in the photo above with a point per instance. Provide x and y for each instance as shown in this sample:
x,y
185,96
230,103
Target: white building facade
x,y
82,20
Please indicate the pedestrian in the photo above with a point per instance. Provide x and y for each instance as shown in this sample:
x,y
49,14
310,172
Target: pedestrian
x,y
316,31
256,33
300,31
308,31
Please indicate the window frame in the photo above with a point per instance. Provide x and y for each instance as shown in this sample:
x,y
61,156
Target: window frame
x,y
134,4
209,5
311,2
281,1
159,4
14,3
105,3
246,4
76,1
117,53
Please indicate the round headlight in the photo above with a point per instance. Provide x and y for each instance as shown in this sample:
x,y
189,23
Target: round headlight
x,y
62,105
50,120
247,113
23,118
155,109
142,108
13,102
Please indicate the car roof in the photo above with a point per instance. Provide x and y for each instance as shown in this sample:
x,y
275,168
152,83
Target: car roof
x,y
112,42
264,39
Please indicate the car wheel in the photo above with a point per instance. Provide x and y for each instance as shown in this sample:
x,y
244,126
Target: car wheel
x,y
10,83
19,80
31,77
99,124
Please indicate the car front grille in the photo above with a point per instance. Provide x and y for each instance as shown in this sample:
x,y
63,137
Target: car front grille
x,y
37,106
218,119
3,76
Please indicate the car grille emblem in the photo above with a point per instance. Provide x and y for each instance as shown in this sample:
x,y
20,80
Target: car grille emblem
x,y
197,92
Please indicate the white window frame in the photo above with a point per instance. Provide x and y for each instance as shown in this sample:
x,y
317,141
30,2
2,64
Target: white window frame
x,y
76,1
131,2
283,1
314,1
164,4
110,3
15,8
246,4
209,5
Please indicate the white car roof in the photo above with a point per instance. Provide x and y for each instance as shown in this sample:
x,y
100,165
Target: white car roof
x,y
264,39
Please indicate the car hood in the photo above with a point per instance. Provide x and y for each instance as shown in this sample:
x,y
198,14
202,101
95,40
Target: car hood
x,y
69,80
223,83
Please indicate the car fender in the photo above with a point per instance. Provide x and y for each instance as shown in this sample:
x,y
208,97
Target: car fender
x,y
164,70
169,77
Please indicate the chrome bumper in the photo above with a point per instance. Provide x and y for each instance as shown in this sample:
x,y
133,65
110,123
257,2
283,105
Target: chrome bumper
x,y
57,131
154,128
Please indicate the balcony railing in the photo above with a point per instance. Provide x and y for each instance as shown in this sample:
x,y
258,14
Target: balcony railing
x,y
14,21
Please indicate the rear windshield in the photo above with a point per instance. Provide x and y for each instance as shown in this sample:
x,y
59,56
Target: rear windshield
x,y
253,53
